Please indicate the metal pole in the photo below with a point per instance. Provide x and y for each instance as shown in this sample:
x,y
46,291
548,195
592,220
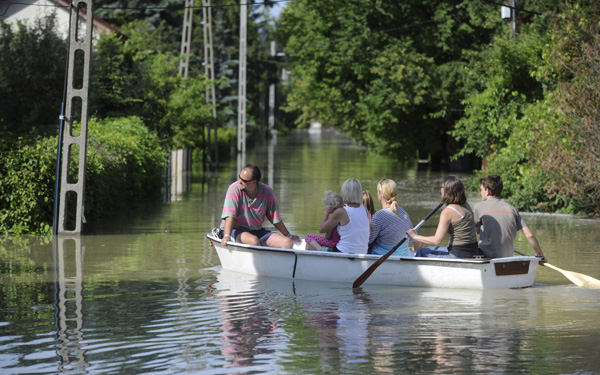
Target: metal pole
x,y
241,136
209,71
60,137
513,18
272,99
81,43
186,39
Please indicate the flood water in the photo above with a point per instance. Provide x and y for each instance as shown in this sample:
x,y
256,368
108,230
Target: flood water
x,y
144,293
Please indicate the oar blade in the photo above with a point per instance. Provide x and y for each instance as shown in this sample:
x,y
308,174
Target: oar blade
x,y
576,278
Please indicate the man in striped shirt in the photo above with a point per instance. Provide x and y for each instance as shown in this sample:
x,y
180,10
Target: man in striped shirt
x,y
247,203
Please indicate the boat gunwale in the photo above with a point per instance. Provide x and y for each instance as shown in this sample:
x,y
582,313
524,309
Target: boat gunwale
x,y
371,256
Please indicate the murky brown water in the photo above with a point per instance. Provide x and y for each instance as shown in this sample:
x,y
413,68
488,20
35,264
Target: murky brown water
x,y
145,293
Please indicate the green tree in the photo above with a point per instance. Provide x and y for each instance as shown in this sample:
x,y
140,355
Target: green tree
x,y
32,73
186,117
390,74
134,74
568,151
535,120
491,115
154,13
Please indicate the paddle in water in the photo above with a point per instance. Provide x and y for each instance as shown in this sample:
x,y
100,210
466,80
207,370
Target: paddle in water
x,y
576,278
365,275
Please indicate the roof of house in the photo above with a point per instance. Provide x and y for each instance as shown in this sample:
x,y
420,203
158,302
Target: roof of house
x,y
27,10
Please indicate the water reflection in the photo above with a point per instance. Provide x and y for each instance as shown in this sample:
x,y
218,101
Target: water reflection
x,y
153,298
381,329
69,304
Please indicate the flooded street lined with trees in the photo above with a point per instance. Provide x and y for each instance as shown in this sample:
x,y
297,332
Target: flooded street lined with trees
x,y
145,293
403,90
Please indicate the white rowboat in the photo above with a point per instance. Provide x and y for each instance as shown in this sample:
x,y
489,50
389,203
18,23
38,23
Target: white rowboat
x,y
500,273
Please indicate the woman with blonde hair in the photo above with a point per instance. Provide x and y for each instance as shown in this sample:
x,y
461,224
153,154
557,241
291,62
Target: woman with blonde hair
x,y
389,224
351,220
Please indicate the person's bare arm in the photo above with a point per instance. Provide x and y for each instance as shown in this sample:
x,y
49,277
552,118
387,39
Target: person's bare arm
x,y
533,241
282,228
327,225
227,230
440,232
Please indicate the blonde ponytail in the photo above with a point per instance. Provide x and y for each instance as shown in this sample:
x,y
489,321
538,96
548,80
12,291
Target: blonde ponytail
x,y
393,204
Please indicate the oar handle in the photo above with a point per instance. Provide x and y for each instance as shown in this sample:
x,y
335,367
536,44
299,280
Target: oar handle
x,y
365,275
427,217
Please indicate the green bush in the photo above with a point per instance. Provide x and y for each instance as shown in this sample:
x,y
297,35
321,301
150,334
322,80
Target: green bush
x,y
32,73
125,164
27,175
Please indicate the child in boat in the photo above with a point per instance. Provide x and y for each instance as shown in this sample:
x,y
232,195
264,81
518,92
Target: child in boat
x,y
331,202
368,203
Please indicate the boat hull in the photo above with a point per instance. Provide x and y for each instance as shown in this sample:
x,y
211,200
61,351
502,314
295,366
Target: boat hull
x,y
501,273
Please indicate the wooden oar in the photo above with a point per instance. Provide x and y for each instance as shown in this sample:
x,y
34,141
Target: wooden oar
x,y
365,275
576,278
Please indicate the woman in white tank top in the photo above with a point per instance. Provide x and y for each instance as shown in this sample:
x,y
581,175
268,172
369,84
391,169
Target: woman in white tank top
x,y
352,220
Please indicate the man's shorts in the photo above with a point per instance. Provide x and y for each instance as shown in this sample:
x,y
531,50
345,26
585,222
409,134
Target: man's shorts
x,y
261,233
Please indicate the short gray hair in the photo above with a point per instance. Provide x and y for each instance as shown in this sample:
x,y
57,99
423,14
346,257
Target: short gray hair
x,y
352,191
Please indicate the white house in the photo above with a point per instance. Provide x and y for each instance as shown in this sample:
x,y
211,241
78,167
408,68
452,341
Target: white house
x,y
27,11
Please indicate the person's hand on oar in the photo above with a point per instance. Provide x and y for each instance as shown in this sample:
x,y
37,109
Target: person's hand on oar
x,y
576,278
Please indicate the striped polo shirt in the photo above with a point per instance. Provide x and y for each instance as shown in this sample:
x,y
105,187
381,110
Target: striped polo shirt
x,y
250,213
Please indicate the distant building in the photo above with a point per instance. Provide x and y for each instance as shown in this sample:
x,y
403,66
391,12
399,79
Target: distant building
x,y
27,11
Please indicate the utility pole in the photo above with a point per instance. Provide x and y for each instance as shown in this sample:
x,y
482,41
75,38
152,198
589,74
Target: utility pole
x,y
272,98
241,133
514,18
510,13
186,39
74,146
209,71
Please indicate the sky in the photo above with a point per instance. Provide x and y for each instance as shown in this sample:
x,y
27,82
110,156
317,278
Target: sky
x,y
276,9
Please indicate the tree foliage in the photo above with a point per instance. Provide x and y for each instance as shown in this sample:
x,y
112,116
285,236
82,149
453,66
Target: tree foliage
x,y
163,19
535,120
154,13
32,73
125,163
136,74
125,166
508,67
569,152
27,183
390,74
